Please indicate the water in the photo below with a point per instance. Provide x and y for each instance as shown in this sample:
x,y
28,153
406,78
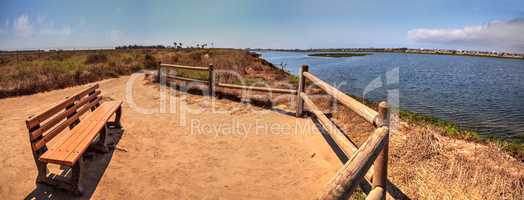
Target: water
x,y
482,94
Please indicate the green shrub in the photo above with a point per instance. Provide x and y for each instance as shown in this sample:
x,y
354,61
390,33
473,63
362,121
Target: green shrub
x,y
194,74
95,58
150,62
293,80
138,67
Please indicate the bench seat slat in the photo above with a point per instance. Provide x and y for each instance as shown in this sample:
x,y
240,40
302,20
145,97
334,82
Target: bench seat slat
x,y
85,126
79,149
76,142
58,150
97,121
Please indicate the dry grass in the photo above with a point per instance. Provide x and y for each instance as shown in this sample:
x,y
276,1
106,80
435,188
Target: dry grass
x,y
43,71
426,164
31,73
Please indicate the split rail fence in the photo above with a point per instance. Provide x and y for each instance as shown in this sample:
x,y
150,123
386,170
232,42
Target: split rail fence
x,y
212,82
367,166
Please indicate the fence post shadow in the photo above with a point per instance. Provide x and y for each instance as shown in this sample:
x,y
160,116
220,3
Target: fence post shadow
x,y
392,189
336,149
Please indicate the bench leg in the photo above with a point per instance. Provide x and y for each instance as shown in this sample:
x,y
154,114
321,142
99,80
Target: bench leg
x,y
75,177
42,171
101,144
118,115
40,166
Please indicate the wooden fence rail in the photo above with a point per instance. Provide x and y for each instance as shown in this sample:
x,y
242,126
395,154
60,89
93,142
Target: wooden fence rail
x,y
261,89
350,175
185,67
212,83
185,79
367,165
376,172
361,109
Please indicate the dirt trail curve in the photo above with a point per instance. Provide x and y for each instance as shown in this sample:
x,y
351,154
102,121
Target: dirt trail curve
x,y
237,152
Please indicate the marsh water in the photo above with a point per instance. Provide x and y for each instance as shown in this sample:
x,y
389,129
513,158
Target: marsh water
x,y
476,93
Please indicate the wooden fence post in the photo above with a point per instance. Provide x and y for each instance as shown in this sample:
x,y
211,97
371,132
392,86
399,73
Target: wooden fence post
x,y
211,80
380,170
352,173
159,71
301,88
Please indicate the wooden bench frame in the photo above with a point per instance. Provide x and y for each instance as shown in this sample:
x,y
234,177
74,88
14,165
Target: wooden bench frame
x,y
50,123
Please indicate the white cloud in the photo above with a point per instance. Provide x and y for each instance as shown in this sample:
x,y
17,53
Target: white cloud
x,y
504,35
22,26
26,32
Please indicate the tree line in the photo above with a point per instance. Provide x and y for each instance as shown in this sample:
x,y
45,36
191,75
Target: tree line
x,y
176,45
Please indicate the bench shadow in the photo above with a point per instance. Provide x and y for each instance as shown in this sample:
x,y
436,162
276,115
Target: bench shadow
x,y
94,167
393,190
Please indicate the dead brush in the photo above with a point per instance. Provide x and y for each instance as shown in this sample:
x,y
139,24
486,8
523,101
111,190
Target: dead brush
x,y
419,146
426,165
95,58
28,73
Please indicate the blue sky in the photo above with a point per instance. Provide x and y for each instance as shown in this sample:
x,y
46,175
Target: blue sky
x,y
479,24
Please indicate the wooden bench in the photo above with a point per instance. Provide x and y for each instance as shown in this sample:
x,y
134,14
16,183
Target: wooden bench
x,y
83,131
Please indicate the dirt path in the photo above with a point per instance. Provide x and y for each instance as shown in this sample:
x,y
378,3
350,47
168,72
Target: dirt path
x,y
237,151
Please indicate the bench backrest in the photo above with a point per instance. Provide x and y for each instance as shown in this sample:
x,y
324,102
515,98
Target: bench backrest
x,y
48,124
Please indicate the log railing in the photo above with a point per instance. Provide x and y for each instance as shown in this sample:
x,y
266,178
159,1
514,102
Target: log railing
x,y
168,67
367,165
353,172
212,83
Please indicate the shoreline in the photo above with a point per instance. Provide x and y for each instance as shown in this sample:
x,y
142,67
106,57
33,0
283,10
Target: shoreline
x,y
337,55
513,147
392,51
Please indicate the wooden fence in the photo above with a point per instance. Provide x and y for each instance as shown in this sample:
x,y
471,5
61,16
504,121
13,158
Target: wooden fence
x,y
367,165
213,83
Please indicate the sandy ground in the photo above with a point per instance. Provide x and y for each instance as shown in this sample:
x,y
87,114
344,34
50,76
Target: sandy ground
x,y
194,149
